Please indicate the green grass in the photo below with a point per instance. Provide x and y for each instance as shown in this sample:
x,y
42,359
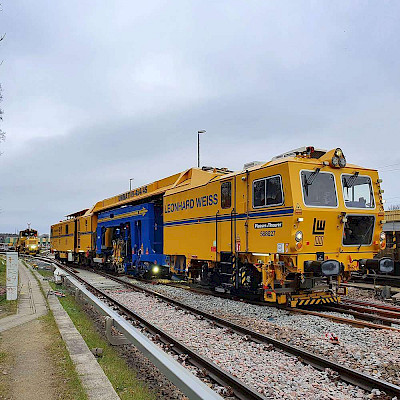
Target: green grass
x,y
69,385
6,307
45,273
121,376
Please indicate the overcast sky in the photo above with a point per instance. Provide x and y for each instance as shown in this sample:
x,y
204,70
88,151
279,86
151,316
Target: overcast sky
x,y
98,92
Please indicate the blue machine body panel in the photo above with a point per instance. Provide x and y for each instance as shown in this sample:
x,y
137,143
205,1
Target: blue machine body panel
x,y
139,226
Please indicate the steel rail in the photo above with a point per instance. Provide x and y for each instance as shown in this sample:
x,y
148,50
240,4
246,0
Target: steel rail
x,y
348,375
238,388
359,323
372,304
390,316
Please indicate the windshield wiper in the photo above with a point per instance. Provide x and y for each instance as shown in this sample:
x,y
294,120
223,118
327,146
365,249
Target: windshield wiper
x,y
365,234
308,181
349,183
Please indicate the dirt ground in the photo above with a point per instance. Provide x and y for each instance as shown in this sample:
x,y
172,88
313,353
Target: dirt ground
x,y
27,371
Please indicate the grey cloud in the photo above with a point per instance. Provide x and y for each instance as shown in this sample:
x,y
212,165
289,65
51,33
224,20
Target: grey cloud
x,y
97,94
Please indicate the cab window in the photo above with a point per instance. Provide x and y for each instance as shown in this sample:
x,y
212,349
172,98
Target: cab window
x,y
66,229
267,192
357,191
319,189
226,195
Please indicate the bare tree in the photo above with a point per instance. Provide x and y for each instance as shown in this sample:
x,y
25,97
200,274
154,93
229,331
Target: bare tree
x,y
393,207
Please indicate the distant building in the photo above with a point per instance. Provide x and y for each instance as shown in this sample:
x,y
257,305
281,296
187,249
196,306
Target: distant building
x,y
392,218
44,241
7,241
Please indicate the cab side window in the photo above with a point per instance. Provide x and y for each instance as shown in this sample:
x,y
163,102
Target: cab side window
x,y
66,229
267,192
226,195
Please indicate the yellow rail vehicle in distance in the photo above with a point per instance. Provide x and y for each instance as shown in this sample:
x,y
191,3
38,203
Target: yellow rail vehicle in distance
x,y
279,230
28,242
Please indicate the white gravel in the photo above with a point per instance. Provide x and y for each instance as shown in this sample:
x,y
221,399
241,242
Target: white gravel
x,y
372,351
271,372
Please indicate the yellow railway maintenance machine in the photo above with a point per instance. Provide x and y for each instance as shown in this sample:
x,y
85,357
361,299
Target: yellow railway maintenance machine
x,y
28,242
279,231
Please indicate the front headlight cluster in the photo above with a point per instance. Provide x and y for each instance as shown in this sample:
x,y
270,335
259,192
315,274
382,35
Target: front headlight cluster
x,y
382,240
298,237
338,159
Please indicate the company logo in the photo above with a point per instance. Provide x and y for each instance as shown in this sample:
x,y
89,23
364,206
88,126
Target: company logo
x,y
267,225
319,241
318,227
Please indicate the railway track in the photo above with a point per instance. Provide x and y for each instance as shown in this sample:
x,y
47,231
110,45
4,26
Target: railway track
x,y
238,388
364,317
390,280
367,311
389,307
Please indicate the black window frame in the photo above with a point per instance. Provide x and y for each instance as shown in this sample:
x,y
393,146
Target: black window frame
x,y
265,179
334,185
229,183
371,188
372,230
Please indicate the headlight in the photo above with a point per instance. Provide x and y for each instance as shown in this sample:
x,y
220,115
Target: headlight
x,y
386,265
382,236
338,159
298,236
330,268
156,269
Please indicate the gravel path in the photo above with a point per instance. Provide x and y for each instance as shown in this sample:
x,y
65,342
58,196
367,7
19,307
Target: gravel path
x,y
273,373
371,351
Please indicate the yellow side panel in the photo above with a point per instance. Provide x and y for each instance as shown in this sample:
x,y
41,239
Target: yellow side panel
x,y
62,236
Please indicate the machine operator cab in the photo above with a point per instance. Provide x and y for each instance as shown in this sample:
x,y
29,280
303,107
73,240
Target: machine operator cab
x,y
337,221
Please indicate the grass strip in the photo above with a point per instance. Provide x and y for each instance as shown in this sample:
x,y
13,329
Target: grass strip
x,y
69,385
121,376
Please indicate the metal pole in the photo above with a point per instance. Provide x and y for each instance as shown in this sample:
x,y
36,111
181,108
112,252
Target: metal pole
x,y
130,183
198,146
198,149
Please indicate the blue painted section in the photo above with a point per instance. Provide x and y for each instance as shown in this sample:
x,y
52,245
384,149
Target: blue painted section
x,y
282,212
141,229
